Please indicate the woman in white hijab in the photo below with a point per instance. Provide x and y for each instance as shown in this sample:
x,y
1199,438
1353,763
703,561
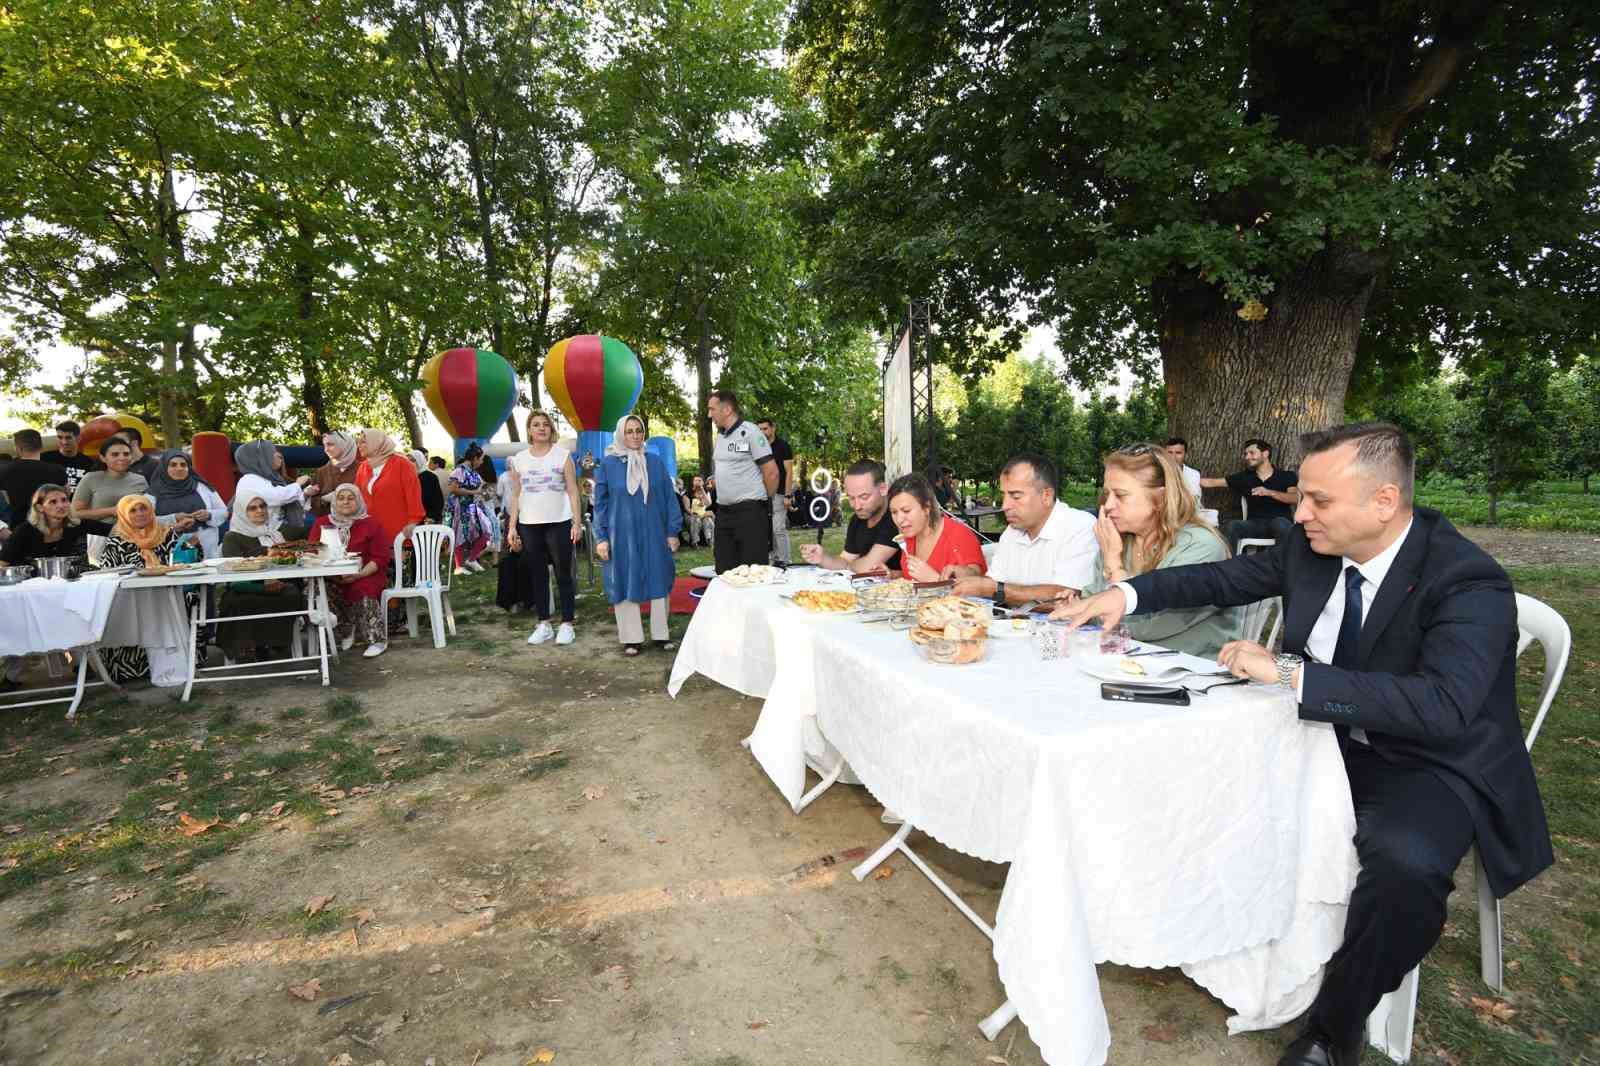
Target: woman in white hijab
x,y
356,598
636,522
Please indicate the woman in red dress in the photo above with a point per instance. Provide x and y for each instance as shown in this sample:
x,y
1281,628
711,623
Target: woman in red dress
x,y
356,597
937,547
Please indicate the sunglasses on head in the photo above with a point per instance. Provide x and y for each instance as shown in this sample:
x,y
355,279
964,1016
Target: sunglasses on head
x,y
1136,449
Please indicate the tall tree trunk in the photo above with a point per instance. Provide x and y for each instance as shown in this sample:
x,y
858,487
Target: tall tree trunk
x,y
405,400
1229,379
702,370
311,392
168,218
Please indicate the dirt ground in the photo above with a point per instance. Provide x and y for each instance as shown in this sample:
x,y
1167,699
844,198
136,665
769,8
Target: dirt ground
x,y
1528,547
587,872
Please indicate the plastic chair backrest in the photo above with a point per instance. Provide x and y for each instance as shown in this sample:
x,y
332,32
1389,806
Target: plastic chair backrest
x,y
1538,621
429,546
989,551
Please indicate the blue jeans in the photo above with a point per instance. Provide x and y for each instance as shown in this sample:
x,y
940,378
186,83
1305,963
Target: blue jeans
x,y
1246,528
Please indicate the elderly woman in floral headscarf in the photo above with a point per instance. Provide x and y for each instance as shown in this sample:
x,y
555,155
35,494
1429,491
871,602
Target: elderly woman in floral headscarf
x,y
340,469
636,523
357,597
388,484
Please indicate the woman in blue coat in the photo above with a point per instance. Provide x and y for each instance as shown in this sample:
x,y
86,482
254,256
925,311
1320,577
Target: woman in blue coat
x,y
636,522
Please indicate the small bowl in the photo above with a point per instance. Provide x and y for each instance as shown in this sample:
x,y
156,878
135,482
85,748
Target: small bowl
x,y
15,575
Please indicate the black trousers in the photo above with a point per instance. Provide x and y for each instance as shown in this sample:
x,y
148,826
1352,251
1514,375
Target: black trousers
x,y
549,544
1245,528
1411,834
743,534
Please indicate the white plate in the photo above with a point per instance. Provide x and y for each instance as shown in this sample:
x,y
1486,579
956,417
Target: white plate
x,y
1157,669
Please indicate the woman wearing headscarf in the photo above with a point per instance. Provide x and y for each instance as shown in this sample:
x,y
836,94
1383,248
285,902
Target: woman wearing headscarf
x,y
388,485
250,534
179,490
357,597
340,469
432,488
262,474
636,522
138,539
467,518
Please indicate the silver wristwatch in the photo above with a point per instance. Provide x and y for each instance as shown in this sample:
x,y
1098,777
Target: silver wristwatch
x,y
1287,664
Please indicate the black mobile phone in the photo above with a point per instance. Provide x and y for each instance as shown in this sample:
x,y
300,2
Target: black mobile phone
x,y
1125,693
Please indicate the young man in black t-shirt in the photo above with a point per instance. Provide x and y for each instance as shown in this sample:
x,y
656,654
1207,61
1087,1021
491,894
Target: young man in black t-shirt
x,y
869,539
67,456
27,472
783,455
1268,493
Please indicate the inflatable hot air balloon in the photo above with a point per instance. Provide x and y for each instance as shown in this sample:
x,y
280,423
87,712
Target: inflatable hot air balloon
x,y
595,380
471,391
97,429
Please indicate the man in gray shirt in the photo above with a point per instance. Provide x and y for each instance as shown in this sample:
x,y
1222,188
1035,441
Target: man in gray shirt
x,y
747,478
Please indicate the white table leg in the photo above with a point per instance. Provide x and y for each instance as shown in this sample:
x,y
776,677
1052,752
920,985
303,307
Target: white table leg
x,y
875,860
822,786
93,653
319,600
77,693
197,617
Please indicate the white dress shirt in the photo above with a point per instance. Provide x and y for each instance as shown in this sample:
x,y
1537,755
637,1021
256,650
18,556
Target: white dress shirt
x,y
1062,554
1191,481
1324,635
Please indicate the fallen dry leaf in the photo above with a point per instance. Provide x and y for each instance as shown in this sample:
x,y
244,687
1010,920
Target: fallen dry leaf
x,y
307,991
387,749
227,775
755,1025
995,1058
276,810
1497,1010
437,967
342,1059
190,826
1162,1034
593,792
542,1056
333,795
268,772
123,897
167,808
883,872
11,830
331,812
545,754
316,903
363,916
68,770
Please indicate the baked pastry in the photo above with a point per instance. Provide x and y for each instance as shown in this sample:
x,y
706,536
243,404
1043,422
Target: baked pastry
x,y
936,614
954,651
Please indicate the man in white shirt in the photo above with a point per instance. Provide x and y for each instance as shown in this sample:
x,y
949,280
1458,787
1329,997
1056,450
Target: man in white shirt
x,y
1048,548
1178,448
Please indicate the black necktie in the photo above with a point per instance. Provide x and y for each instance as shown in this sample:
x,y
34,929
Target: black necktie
x,y
1347,650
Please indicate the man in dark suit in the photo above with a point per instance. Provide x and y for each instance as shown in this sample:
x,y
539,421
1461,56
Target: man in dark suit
x,y
1403,634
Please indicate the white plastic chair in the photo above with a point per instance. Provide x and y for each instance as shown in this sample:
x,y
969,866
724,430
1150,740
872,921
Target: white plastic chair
x,y
433,552
1391,1023
989,552
1255,620
1249,543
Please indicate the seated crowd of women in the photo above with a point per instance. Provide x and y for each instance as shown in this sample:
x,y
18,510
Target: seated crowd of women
x,y
365,497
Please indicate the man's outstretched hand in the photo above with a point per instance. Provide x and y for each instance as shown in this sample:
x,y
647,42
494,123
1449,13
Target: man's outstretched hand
x,y
1108,606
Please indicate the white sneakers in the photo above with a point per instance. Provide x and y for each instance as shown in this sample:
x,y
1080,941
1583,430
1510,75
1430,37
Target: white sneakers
x,y
375,650
460,571
349,641
543,634
475,566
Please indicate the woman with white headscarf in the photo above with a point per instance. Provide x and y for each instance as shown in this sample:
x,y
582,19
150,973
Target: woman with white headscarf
x,y
262,474
388,484
356,597
636,523
340,469
251,534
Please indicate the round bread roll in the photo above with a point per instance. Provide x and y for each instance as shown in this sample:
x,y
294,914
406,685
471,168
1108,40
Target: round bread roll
x,y
965,630
920,636
936,614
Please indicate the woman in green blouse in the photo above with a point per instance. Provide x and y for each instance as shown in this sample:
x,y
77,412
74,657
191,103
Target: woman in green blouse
x,y
1148,522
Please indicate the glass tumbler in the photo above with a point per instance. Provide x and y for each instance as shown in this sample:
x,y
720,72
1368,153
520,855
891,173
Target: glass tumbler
x,y
1049,638
1084,641
1116,640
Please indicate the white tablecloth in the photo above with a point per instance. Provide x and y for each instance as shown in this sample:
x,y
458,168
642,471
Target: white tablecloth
x,y
1216,837
42,615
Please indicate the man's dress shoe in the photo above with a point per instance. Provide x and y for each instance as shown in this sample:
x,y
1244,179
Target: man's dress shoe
x,y
1314,1049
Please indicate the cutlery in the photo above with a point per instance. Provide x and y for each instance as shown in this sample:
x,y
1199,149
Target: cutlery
x,y
1217,684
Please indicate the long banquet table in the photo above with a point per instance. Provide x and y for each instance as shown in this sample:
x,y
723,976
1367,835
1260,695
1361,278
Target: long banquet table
x,y
1215,837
